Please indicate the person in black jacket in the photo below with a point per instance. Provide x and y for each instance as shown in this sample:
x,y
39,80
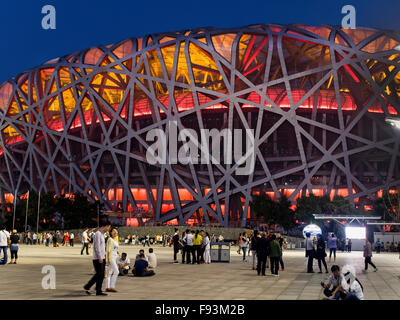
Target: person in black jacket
x,y
253,248
262,254
321,253
175,241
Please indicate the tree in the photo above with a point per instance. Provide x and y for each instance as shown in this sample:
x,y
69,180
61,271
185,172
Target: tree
x,y
307,206
79,211
265,207
58,212
388,206
274,212
340,205
286,216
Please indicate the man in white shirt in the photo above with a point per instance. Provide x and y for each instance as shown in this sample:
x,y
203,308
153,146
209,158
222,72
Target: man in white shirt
x,y
85,242
99,255
188,239
34,238
152,259
71,239
310,253
123,264
353,291
4,236
351,286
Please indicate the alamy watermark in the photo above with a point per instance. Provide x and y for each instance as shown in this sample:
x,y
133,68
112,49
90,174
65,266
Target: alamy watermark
x,y
349,20
49,280
49,20
226,146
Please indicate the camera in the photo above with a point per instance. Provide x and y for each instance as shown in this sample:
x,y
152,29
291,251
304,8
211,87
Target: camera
x,y
322,284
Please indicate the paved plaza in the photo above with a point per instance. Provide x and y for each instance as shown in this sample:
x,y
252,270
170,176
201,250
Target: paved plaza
x,y
235,280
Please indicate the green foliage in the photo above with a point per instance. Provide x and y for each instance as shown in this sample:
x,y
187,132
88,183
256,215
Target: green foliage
x,y
307,206
76,212
340,205
388,207
265,207
286,216
274,212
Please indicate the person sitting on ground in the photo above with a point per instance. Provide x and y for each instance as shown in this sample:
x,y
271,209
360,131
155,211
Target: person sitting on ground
x,y
141,268
334,282
123,264
351,287
152,259
141,251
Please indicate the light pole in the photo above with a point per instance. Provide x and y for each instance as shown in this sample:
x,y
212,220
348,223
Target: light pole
x,y
15,204
37,222
70,176
26,211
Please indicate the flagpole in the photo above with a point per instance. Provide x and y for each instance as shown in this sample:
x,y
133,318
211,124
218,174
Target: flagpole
x,y
37,222
15,204
26,213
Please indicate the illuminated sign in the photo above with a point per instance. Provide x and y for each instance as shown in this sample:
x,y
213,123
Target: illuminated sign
x,y
313,229
355,232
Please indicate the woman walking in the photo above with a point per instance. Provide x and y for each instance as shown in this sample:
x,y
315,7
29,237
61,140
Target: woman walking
x,y
368,255
321,253
14,239
332,245
207,257
244,242
111,261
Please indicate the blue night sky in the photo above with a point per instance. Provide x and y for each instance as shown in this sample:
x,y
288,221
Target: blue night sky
x,y
83,23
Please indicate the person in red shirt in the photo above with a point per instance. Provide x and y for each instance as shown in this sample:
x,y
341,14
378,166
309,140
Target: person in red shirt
x,y
66,238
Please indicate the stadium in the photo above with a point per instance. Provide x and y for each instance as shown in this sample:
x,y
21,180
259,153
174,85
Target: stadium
x,y
318,99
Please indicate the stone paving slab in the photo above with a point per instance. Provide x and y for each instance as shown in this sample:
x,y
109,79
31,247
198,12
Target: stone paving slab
x,y
235,280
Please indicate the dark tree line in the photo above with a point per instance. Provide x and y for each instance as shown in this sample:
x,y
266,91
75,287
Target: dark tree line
x,y
56,212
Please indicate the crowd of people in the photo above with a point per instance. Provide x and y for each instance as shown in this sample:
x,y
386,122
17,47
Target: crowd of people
x,y
194,246
55,238
315,249
265,248
109,264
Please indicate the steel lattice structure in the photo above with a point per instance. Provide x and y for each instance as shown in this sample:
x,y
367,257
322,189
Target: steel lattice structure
x,y
317,98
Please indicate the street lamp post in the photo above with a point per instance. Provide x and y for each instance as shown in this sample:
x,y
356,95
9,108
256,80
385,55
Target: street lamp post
x,y
15,204
70,177
37,222
26,212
